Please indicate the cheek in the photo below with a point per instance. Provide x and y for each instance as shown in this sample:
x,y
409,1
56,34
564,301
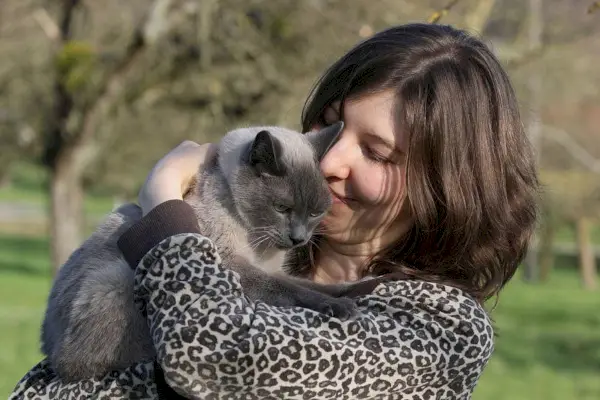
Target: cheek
x,y
380,185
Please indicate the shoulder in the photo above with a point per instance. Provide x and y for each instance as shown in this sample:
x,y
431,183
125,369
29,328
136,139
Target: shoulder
x,y
443,306
437,313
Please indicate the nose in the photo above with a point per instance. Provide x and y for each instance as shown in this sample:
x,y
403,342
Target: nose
x,y
298,236
337,161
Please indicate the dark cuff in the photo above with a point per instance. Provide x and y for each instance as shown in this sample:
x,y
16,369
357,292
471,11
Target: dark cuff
x,y
165,220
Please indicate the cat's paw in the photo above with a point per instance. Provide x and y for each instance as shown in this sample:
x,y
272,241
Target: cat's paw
x,y
342,307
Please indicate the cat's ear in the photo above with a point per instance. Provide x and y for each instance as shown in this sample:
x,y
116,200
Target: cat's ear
x,y
265,154
323,139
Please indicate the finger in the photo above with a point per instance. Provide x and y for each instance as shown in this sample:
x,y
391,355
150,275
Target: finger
x,y
188,144
195,159
212,149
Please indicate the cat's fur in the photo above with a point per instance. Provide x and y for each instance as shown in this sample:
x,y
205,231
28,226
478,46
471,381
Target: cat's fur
x,y
263,196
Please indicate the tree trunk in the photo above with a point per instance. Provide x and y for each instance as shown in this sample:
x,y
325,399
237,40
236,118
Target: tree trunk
x,y
587,256
66,212
5,179
546,248
531,272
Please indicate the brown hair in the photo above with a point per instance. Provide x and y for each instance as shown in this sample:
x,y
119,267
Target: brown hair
x,y
471,178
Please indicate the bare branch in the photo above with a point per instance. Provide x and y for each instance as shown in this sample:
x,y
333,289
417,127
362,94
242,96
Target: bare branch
x,y
538,49
156,25
535,83
577,151
47,24
477,18
526,57
437,16
205,16
86,141
56,134
66,18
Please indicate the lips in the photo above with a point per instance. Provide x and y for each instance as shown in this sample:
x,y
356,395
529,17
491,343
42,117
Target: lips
x,y
337,198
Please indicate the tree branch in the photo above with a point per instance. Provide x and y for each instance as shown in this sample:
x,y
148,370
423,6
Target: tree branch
x,y
56,134
437,16
538,50
68,8
577,151
205,16
85,142
47,24
156,22
477,18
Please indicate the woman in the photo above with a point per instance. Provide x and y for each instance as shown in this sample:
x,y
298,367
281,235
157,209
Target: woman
x,y
434,191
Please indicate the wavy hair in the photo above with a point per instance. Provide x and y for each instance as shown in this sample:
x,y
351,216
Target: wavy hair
x,y
472,184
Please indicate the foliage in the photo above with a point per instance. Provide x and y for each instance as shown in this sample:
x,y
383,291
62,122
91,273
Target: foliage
x,y
74,64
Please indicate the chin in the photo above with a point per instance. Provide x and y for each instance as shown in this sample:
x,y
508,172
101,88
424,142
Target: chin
x,y
282,245
337,218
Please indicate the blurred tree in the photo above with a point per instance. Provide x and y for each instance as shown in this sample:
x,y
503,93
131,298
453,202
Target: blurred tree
x,y
122,82
105,111
574,197
534,123
71,139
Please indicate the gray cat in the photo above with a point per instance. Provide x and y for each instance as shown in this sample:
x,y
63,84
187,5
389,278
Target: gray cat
x,y
263,196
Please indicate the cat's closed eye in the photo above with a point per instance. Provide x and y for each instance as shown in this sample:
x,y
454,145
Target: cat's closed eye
x,y
316,214
282,208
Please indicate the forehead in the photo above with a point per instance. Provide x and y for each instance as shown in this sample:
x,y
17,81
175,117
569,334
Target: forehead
x,y
303,184
374,115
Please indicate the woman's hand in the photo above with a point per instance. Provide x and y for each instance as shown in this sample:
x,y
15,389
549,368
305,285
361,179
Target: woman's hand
x,y
172,176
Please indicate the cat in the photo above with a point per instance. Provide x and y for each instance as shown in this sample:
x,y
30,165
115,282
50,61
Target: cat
x,y
262,197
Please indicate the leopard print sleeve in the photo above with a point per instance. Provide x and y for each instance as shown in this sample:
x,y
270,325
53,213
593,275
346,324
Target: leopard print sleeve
x,y
411,340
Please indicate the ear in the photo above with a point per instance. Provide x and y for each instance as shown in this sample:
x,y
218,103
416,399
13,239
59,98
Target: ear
x,y
325,138
265,154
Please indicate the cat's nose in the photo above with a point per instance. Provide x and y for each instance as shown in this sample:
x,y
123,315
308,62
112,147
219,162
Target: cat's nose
x,y
297,240
298,236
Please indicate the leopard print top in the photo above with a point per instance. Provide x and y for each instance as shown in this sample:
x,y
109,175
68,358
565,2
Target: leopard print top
x,y
411,340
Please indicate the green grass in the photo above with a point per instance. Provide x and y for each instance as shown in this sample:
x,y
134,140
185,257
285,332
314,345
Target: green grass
x,y
24,285
548,345
92,205
28,186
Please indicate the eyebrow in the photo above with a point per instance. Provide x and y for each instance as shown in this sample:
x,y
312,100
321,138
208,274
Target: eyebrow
x,y
384,142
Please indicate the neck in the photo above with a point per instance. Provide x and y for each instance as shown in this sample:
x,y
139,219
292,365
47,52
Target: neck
x,y
338,262
343,261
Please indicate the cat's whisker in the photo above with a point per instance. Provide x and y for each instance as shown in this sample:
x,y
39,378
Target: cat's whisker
x,y
320,230
261,229
315,243
255,242
261,239
258,241
255,228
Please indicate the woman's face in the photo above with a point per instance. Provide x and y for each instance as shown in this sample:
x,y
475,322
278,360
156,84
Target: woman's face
x,y
365,170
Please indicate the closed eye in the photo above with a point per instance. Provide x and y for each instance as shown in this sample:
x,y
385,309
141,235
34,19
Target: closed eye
x,y
282,208
376,157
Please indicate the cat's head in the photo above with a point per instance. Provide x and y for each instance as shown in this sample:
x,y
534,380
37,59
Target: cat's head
x,y
278,188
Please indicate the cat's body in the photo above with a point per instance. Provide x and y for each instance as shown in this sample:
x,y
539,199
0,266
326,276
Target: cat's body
x,y
263,196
